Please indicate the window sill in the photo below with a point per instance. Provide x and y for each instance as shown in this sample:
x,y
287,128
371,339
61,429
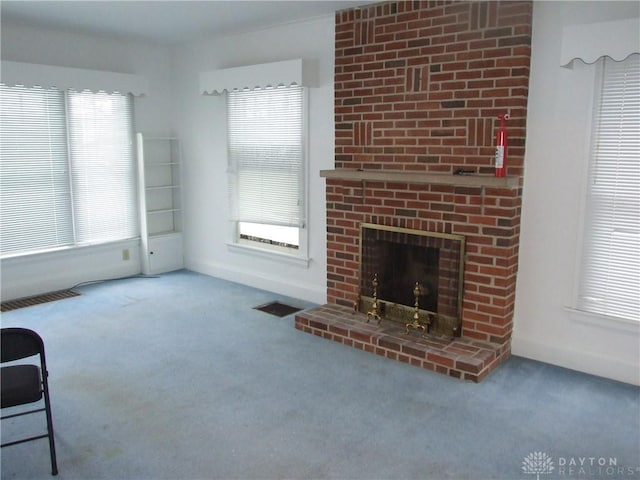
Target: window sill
x,y
603,321
268,254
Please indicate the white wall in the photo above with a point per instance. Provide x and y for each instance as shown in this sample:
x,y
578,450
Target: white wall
x,y
558,125
22,277
200,122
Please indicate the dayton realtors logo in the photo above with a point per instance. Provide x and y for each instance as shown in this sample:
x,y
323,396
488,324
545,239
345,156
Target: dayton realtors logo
x,y
539,463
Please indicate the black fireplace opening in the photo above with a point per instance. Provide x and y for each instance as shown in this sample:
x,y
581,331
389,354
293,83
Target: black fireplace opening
x,y
402,267
402,259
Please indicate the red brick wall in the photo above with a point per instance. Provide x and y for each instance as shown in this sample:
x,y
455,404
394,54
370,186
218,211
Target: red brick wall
x,y
418,86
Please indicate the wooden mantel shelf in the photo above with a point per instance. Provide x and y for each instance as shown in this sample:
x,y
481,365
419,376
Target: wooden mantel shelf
x,y
466,180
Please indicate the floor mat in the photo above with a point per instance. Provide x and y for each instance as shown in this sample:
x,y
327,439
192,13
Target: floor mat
x,y
36,300
278,309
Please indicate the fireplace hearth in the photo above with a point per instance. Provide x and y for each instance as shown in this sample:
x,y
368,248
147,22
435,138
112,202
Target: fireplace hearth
x,y
462,358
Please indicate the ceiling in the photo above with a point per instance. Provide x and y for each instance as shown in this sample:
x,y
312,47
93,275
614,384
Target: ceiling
x,y
164,22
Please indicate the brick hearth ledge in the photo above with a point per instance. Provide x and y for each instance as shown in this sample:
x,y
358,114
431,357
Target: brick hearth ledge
x,y
462,358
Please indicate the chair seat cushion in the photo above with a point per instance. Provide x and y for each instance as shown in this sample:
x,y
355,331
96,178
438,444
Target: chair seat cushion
x,y
20,384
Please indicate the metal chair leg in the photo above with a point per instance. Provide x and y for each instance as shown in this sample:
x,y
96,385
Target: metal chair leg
x,y
52,446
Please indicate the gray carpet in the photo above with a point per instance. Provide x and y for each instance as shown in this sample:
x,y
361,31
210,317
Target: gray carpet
x,y
179,377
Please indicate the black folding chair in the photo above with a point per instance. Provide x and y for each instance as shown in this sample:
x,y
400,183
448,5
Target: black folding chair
x,y
25,383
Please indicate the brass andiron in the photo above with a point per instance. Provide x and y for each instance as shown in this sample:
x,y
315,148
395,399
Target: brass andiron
x,y
416,315
373,313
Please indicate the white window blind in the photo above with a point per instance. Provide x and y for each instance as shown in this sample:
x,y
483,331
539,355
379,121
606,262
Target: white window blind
x,y
266,155
610,280
67,169
35,191
103,173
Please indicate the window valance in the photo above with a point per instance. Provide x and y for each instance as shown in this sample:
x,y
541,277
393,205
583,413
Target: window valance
x,y
63,78
287,72
589,42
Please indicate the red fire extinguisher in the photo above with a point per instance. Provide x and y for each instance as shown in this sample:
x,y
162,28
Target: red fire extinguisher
x,y
501,146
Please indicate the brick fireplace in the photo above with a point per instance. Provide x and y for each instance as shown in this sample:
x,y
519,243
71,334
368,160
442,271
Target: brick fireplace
x,y
418,87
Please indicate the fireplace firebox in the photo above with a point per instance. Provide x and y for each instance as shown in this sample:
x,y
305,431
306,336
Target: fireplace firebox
x,y
403,259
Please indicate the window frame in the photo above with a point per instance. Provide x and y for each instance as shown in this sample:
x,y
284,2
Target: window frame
x,y
299,256
576,311
76,243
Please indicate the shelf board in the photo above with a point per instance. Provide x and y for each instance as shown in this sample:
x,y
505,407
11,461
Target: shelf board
x,y
163,210
162,187
466,180
162,164
165,233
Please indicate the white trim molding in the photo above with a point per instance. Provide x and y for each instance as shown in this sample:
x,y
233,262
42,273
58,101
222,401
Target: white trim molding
x,y
282,257
63,78
577,359
288,287
589,42
288,72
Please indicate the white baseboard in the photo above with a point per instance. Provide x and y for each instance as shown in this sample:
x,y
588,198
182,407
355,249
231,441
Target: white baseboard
x,y
587,362
309,293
